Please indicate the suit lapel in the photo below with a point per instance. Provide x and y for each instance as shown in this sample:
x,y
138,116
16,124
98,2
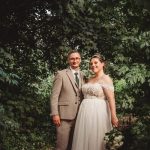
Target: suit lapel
x,y
70,75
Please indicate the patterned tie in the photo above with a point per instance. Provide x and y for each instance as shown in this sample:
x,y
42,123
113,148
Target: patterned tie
x,y
76,78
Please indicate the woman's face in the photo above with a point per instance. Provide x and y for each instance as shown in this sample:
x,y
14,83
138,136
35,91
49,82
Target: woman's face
x,y
96,65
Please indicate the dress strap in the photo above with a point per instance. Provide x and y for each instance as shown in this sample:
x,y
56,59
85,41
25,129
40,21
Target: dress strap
x,y
107,86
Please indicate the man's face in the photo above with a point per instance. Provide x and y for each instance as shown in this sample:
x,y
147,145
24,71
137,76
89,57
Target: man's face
x,y
74,60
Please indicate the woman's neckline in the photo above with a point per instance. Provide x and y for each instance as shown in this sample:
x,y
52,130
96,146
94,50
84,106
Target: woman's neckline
x,y
98,79
93,83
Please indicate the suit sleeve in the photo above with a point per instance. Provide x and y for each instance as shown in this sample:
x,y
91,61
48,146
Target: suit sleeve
x,y
57,85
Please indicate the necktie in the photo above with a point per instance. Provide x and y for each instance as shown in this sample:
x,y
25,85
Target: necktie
x,y
76,77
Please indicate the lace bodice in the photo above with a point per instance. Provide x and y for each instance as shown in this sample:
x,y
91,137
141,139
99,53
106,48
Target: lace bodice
x,y
95,90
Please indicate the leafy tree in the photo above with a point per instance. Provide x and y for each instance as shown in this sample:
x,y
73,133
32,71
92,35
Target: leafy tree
x,y
35,37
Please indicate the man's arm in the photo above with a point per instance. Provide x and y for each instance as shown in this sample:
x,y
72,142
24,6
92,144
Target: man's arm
x,y
57,85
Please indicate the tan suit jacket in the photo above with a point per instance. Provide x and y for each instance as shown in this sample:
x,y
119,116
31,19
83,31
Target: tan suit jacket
x,y
66,95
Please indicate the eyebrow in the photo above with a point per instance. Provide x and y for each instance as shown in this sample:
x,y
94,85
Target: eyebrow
x,y
74,57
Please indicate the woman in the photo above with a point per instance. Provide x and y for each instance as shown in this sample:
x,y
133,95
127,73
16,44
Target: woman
x,y
97,113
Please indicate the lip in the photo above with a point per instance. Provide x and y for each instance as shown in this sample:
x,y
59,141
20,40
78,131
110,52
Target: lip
x,y
94,68
75,64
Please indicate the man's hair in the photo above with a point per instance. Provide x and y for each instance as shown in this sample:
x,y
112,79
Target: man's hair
x,y
73,51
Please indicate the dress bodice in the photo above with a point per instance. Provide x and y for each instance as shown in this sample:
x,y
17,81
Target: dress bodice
x,y
95,90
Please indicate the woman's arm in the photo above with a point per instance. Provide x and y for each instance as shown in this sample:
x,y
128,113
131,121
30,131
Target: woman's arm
x,y
109,93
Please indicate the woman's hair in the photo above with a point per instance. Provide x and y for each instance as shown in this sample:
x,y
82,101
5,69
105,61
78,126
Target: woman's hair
x,y
100,57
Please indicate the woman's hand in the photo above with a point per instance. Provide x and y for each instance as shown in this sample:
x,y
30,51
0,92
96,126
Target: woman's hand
x,y
114,121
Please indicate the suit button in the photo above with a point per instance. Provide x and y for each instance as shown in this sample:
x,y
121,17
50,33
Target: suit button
x,y
75,102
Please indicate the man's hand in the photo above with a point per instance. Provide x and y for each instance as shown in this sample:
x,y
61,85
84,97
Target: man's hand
x,y
56,120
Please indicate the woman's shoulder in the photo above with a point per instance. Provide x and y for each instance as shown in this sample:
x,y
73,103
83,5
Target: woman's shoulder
x,y
107,83
107,79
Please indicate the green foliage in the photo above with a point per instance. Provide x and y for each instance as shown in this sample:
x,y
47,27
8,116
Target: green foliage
x,y
24,110
7,61
35,37
136,136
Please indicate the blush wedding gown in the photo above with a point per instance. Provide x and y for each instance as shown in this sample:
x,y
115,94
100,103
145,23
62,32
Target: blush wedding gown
x,y
93,119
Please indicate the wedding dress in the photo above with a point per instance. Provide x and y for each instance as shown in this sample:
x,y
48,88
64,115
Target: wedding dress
x,y
93,119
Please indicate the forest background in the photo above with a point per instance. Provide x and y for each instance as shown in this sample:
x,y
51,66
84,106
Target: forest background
x,y
35,37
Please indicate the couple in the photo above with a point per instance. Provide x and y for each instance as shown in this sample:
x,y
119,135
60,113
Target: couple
x,y
84,127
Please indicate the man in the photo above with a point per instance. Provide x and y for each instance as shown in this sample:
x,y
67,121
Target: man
x,y
65,99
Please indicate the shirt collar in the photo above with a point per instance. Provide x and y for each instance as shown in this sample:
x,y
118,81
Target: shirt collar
x,y
73,71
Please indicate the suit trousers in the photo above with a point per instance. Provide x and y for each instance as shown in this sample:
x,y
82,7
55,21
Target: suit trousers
x,y
65,135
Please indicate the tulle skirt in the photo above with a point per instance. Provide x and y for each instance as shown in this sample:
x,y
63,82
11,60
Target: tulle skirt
x,y
93,121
